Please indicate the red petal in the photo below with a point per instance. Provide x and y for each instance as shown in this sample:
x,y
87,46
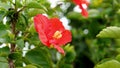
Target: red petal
x,y
86,2
80,2
66,37
56,25
41,20
40,23
59,49
77,1
84,13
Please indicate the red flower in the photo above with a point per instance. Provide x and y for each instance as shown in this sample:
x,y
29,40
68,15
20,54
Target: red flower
x,y
51,32
80,3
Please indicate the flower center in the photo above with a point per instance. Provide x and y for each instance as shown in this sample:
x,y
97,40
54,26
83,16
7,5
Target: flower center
x,y
57,35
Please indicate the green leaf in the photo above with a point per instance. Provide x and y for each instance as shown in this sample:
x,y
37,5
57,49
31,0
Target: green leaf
x,y
4,1
74,15
70,54
34,4
93,13
18,4
18,63
15,55
118,57
4,5
39,56
33,39
32,28
5,39
4,34
3,29
64,65
4,52
30,66
3,62
20,43
118,50
19,67
22,23
109,64
2,13
110,32
33,12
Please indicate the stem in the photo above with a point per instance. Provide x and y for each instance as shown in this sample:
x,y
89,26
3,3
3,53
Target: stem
x,y
21,9
12,48
14,19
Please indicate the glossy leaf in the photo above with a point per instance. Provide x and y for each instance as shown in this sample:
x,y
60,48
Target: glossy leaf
x,y
4,5
30,66
20,43
118,57
2,13
110,32
33,12
3,0
4,51
18,4
33,39
3,29
34,4
93,13
109,64
15,55
19,63
4,34
3,62
39,56
22,23
70,54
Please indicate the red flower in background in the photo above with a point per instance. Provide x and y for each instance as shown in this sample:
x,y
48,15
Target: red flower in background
x,y
51,32
80,4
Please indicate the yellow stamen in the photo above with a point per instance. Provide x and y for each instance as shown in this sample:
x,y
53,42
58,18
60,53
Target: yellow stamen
x,y
51,46
57,35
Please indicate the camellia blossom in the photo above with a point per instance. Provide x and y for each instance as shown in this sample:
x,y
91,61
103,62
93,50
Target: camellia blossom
x,y
80,3
51,32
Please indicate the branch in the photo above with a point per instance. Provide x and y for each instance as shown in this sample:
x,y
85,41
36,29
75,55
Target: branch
x,y
21,9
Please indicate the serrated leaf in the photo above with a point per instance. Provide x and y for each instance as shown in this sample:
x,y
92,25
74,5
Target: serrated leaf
x,y
34,4
39,56
109,64
110,32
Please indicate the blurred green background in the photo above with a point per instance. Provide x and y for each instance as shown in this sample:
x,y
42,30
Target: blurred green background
x,y
85,51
